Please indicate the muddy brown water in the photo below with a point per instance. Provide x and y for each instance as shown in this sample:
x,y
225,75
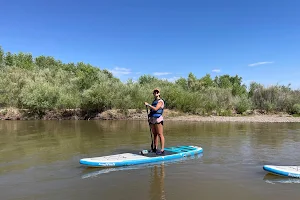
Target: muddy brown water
x,y
40,160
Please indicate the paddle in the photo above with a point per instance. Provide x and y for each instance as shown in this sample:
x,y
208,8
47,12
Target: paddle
x,y
150,130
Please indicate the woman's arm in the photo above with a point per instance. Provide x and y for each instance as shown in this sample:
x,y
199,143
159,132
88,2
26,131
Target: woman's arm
x,y
158,105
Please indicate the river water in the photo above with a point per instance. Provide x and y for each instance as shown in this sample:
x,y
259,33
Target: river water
x,y
40,160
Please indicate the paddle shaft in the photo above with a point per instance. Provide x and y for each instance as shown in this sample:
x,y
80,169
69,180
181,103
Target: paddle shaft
x,y
150,130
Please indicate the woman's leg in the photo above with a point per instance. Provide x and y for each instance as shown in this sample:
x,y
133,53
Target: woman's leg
x,y
155,136
159,131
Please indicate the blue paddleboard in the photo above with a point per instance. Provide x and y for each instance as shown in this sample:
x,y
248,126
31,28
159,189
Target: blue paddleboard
x,y
126,159
287,171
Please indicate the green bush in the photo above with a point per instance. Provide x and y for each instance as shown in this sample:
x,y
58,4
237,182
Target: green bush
x,y
214,99
274,98
242,104
39,96
97,98
43,83
296,109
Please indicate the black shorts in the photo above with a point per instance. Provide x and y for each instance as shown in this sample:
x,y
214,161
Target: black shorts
x,y
162,123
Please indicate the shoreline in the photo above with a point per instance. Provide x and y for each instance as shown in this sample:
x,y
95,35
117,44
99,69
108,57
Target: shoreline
x,y
137,114
244,119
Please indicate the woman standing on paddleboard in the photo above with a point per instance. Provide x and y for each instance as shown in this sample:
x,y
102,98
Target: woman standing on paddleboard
x,y
156,120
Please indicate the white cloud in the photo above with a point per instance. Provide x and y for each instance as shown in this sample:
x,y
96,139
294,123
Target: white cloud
x,y
216,70
259,63
161,73
118,71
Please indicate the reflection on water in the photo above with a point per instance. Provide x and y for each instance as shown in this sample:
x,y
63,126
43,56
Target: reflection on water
x,y
273,179
157,185
40,160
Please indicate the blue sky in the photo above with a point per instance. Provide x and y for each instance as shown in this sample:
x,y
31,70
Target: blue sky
x,y
259,40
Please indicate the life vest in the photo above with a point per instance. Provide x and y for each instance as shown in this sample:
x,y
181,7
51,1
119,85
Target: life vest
x,y
157,113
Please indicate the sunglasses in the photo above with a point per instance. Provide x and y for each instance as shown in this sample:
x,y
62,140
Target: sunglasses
x,y
155,91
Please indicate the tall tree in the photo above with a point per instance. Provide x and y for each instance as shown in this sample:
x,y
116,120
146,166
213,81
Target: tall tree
x,y
147,79
24,61
192,79
206,81
182,82
9,59
1,57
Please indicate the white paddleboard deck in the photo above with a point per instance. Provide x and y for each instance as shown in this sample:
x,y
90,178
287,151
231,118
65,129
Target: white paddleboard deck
x,y
116,158
288,171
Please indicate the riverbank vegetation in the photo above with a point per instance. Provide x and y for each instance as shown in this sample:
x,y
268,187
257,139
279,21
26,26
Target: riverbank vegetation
x,y
44,84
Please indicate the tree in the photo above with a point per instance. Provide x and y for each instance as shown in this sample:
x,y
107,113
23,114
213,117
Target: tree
x,y
231,82
206,81
47,62
223,82
1,57
24,61
182,82
9,59
70,67
147,79
254,87
238,89
192,79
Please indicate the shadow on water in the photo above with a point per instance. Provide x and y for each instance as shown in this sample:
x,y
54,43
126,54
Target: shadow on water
x,y
276,179
92,172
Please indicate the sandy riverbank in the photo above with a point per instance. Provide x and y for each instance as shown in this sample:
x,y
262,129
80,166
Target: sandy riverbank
x,y
177,116
133,114
261,118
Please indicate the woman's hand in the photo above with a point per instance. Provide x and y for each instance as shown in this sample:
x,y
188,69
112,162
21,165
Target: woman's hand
x,y
147,104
